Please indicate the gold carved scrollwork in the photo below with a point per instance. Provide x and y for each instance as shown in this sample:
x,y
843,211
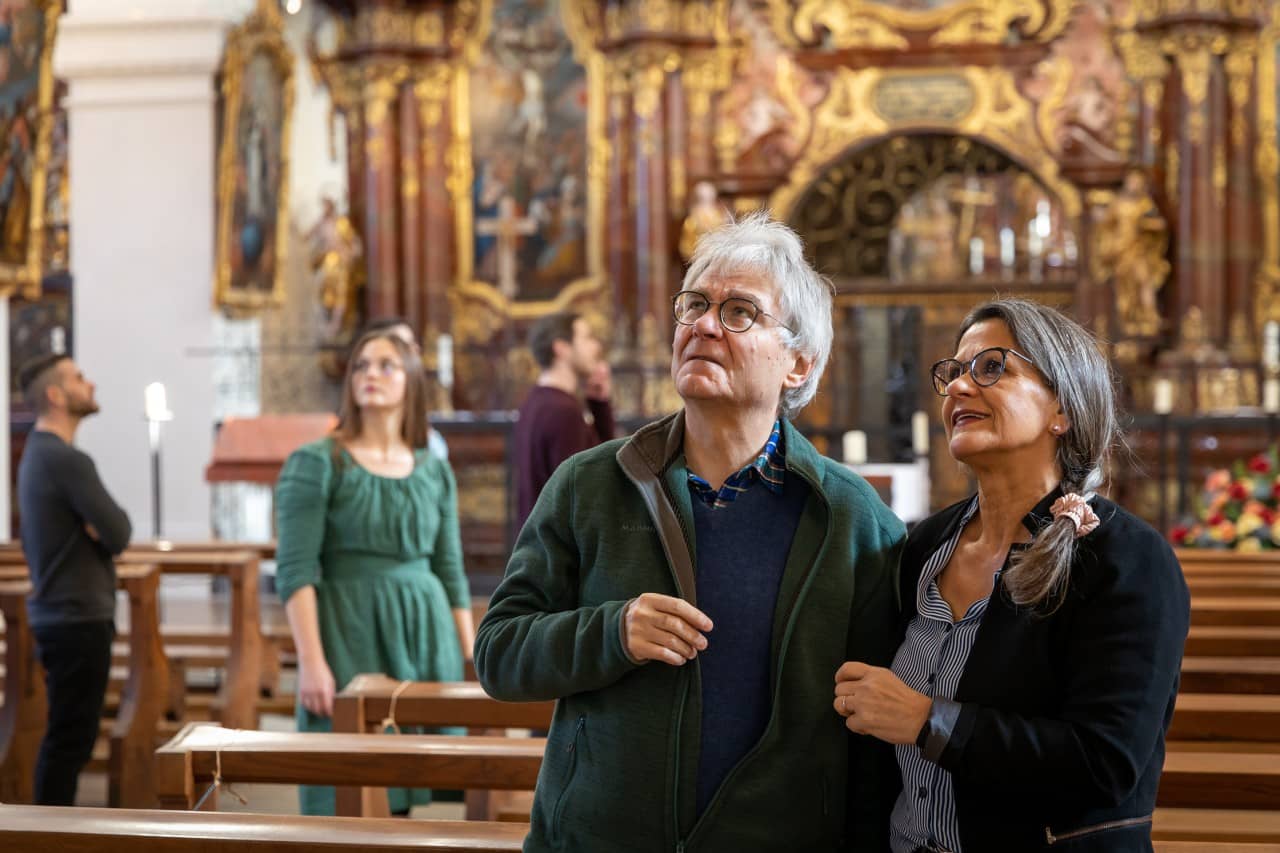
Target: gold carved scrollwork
x,y
1239,67
432,90
998,114
262,33
843,24
1172,168
1267,163
27,273
1194,66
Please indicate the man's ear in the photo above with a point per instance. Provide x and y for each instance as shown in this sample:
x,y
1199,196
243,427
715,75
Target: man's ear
x,y
799,372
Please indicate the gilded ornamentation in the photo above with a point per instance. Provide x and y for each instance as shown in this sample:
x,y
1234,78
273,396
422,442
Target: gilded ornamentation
x,y
1239,67
1194,68
1267,163
1172,170
26,140
705,214
1000,114
845,24
1219,176
1132,241
253,163
337,264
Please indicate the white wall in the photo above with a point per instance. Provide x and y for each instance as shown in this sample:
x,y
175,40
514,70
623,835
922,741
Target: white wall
x,y
142,147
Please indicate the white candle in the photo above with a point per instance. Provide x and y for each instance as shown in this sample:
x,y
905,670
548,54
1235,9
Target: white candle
x,y
1271,345
855,447
58,340
1162,398
977,256
444,360
155,405
920,433
1271,395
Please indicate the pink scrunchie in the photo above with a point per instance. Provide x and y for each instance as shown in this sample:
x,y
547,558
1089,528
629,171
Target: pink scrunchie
x,y
1076,508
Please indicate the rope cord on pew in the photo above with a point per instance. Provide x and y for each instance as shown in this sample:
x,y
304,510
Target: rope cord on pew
x,y
217,776
390,721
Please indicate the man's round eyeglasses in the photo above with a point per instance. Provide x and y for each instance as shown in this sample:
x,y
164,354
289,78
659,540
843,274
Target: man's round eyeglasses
x,y
736,313
985,368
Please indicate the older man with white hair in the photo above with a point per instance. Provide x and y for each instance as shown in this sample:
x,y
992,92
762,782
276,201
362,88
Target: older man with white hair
x,y
689,593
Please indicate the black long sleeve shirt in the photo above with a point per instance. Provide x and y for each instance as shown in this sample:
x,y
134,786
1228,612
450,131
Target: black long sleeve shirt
x,y
73,577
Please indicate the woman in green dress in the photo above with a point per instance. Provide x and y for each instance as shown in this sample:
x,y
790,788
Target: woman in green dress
x,y
369,561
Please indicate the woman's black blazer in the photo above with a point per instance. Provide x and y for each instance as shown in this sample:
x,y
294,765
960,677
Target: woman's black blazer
x,y
1064,712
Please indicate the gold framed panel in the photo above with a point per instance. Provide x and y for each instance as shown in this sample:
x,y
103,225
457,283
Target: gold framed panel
x,y
981,103
581,25
261,35
1267,163
883,25
25,270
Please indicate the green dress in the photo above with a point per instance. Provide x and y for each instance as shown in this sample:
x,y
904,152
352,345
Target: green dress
x,y
385,558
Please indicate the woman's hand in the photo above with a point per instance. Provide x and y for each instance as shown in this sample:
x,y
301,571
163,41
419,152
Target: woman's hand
x,y
875,702
316,687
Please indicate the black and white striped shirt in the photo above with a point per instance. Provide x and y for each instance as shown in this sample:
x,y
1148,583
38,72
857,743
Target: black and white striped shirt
x,y
931,660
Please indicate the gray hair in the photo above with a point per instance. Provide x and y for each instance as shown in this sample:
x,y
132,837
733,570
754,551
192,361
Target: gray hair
x,y
760,245
1069,358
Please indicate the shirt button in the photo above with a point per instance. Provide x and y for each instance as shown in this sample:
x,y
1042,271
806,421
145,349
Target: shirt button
x,y
932,676
922,792
948,627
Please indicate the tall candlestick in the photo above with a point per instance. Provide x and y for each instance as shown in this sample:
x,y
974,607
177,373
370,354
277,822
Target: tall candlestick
x,y
1271,345
155,404
920,433
444,360
1271,396
1162,396
855,447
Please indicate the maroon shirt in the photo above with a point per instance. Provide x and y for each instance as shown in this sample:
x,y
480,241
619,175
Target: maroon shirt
x,y
550,429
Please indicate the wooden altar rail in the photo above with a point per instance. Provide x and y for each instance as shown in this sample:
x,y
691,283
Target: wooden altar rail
x,y
33,829
133,734
185,765
236,704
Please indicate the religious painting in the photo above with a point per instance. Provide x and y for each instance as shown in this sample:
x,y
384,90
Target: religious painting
x,y
253,163
529,144
27,29
38,327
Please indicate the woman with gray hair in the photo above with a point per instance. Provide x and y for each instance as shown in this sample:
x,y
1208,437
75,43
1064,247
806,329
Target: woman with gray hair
x,y
1044,624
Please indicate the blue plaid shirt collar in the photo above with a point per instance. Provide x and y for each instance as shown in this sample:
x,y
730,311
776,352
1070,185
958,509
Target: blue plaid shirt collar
x,y
768,468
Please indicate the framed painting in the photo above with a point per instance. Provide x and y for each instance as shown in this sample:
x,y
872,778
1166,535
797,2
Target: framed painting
x,y
27,31
529,228
253,163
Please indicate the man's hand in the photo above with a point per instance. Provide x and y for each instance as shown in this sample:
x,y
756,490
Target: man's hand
x,y
875,702
663,628
599,385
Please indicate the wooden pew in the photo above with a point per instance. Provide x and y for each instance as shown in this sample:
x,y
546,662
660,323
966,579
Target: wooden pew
x,y
1213,847
185,765
1226,717
33,829
1202,585
366,701
133,734
236,705
23,716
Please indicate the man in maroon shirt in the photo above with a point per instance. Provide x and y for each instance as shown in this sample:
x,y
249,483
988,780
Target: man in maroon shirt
x,y
552,426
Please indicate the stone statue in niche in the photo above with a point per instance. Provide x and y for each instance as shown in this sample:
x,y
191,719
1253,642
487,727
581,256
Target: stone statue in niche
x,y
337,255
705,214
1133,239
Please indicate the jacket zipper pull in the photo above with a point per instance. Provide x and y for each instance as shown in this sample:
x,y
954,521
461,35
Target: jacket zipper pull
x,y
582,721
680,846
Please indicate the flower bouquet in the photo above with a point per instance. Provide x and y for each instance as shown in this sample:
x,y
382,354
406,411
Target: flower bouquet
x,y
1239,508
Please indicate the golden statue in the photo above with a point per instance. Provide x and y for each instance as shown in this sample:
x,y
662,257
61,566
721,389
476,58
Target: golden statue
x,y
337,255
1133,239
705,214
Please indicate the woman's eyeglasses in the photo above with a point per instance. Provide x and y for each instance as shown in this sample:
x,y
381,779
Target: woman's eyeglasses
x,y
985,368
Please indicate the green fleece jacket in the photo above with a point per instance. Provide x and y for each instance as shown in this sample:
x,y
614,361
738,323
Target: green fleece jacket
x,y
622,754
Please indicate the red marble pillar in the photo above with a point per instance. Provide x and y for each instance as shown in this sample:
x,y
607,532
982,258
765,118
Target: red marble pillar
x,y
381,192
411,247
1243,231
619,212
435,233
653,241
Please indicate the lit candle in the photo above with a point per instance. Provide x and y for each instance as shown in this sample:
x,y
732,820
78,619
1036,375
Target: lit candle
x,y
855,447
155,405
1162,397
1271,345
920,433
1271,395
444,360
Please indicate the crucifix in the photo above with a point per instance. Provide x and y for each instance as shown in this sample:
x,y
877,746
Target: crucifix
x,y
971,197
508,227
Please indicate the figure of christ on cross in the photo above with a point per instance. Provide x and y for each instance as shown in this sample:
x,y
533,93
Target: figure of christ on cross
x,y
508,227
